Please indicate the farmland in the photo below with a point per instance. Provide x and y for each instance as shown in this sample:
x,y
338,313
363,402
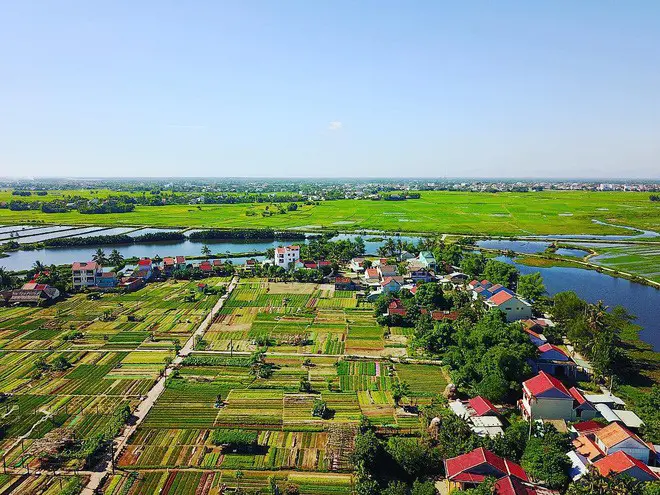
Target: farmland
x,y
548,212
70,369
212,393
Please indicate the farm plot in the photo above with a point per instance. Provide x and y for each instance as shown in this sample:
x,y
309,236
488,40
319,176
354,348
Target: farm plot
x,y
363,375
211,482
424,380
150,317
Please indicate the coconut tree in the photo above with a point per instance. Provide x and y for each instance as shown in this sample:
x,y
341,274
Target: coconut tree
x,y
100,257
115,258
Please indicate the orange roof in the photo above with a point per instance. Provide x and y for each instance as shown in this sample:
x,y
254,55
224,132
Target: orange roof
x,y
500,298
587,447
613,434
620,462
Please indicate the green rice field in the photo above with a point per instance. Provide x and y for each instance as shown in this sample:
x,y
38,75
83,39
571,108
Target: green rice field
x,y
547,212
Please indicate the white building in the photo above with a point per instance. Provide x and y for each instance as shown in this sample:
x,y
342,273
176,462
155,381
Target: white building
x,y
287,256
85,273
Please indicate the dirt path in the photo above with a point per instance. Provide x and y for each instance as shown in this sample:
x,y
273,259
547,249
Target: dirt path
x,y
152,396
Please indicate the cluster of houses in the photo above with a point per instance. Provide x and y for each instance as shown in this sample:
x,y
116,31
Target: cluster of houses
x,y
31,293
496,296
473,468
91,275
605,435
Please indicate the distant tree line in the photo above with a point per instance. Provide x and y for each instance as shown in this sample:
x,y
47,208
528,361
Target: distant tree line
x,y
244,234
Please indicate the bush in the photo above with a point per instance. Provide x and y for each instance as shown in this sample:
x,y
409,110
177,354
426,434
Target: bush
x,y
234,438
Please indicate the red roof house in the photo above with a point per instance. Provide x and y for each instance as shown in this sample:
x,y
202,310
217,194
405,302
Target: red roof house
x,y
513,486
471,469
545,397
396,307
482,406
621,463
586,427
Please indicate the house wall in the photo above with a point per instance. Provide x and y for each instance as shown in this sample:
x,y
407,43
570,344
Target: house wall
x,y
84,278
544,408
516,310
630,447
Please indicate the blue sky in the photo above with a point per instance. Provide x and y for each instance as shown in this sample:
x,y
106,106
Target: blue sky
x,y
343,88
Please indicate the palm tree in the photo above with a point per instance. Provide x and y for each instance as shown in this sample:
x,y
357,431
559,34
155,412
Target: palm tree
x,y
115,258
100,257
596,314
38,266
206,251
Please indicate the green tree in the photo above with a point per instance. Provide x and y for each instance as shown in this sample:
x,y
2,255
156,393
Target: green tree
x,y
498,272
531,286
430,296
546,463
100,257
400,389
395,487
367,452
414,457
423,488
206,250
115,258
6,279
473,264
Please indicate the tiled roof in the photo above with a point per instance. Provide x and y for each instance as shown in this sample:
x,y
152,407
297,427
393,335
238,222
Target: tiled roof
x,y
144,262
587,447
549,347
513,486
84,265
613,434
585,427
463,464
180,259
577,395
500,298
544,382
481,405
342,280
168,261
371,273
444,315
620,462
388,280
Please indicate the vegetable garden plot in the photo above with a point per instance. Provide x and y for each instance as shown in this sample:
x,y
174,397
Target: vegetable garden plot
x,y
363,375
293,450
364,338
424,380
377,406
344,405
252,409
185,404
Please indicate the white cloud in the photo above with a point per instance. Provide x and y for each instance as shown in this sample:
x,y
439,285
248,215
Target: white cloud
x,y
335,125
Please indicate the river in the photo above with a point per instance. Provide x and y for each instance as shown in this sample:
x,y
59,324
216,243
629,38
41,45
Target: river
x,y
640,300
24,260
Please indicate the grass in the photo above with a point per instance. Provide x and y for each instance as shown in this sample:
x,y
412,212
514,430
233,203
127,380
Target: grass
x,y
436,211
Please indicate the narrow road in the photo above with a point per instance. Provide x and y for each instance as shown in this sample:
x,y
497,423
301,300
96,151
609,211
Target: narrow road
x,y
152,396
